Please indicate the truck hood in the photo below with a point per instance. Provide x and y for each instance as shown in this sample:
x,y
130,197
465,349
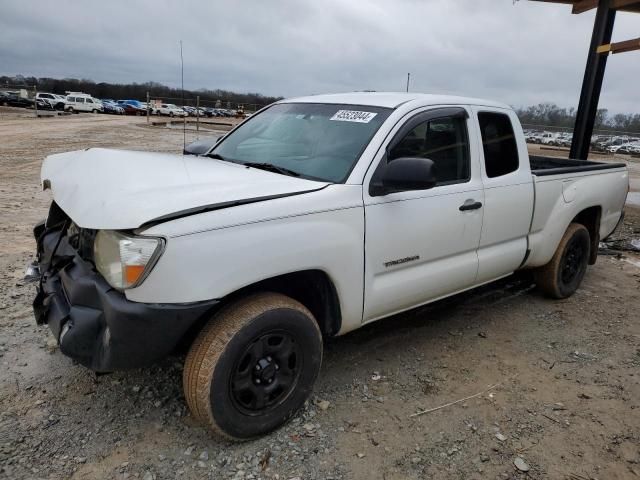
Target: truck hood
x,y
118,189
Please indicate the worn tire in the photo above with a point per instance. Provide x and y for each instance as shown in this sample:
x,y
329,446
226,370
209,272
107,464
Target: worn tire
x,y
222,380
562,276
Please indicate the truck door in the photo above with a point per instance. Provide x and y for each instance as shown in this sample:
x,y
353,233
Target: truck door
x,y
422,244
508,189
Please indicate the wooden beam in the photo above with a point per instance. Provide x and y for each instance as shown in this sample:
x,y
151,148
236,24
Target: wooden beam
x,y
580,6
626,46
623,3
620,47
584,6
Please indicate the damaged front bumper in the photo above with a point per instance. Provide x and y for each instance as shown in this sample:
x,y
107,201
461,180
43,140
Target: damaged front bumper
x,y
94,323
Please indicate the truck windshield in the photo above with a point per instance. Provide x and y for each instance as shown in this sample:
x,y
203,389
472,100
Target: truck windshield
x,y
309,140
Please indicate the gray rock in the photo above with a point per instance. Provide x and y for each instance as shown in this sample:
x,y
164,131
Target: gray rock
x,y
521,465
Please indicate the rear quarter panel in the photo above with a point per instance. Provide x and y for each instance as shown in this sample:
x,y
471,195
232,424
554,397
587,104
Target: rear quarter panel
x,y
559,198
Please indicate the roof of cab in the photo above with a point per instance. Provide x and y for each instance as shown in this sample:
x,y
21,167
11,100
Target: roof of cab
x,y
392,99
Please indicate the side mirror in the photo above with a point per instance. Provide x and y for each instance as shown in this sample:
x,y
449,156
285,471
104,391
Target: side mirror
x,y
200,147
403,174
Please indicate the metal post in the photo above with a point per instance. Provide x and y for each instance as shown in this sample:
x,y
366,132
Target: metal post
x,y
592,82
148,108
197,115
408,77
35,100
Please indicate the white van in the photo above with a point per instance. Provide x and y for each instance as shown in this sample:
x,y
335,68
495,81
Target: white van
x,y
82,102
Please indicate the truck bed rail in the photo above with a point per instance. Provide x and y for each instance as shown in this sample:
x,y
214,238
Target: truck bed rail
x,y
542,166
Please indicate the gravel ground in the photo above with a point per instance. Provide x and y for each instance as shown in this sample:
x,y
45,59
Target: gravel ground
x,y
565,402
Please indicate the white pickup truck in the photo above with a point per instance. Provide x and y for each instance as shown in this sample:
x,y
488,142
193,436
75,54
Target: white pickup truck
x,y
313,217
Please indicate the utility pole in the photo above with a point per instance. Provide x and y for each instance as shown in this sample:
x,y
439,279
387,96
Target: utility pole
x,y
408,78
197,116
35,100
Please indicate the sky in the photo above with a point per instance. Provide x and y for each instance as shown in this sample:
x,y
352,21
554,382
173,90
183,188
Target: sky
x,y
517,52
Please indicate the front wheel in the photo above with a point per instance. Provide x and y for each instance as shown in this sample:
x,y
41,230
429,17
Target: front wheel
x,y
562,276
253,365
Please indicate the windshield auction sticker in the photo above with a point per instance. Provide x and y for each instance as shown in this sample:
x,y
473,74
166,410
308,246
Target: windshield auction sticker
x,y
353,116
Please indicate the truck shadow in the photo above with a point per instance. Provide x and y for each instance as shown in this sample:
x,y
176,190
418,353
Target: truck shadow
x,y
435,317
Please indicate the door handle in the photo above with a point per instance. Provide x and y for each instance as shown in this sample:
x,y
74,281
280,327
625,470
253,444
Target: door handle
x,y
470,205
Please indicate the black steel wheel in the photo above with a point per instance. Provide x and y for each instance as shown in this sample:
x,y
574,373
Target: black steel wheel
x,y
253,365
268,371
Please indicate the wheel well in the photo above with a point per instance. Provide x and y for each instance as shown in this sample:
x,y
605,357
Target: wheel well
x,y
312,288
590,218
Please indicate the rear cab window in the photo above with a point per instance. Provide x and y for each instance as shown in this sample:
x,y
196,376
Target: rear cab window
x,y
498,143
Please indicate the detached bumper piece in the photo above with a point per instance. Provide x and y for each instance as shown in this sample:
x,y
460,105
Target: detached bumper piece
x,y
94,323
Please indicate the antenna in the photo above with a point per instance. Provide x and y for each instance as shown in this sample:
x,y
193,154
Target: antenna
x,y
184,118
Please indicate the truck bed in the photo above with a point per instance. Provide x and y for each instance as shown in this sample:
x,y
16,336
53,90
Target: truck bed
x,y
542,166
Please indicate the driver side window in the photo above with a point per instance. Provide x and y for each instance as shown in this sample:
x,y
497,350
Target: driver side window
x,y
444,141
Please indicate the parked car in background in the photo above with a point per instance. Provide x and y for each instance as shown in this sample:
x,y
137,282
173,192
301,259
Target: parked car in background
x,y
548,138
612,142
43,104
148,107
562,139
56,101
171,110
12,99
82,102
133,107
629,147
191,111
110,106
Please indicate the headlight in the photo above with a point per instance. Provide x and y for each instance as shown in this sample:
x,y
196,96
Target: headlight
x,y
124,260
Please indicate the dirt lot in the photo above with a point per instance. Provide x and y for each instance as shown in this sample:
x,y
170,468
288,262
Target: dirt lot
x,y
567,400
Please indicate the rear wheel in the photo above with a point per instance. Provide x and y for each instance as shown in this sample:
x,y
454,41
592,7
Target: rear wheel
x,y
562,276
253,365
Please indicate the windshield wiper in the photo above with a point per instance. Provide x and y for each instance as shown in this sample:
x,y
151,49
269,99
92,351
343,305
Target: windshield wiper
x,y
272,168
217,156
